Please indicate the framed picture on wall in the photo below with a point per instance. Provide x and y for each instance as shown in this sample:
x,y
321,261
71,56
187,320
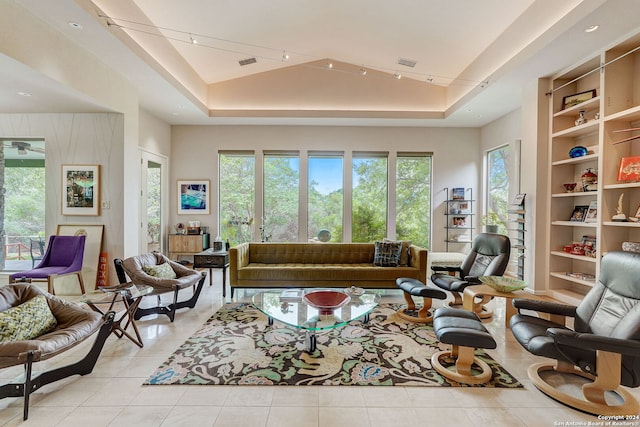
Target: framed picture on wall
x,y
81,185
193,196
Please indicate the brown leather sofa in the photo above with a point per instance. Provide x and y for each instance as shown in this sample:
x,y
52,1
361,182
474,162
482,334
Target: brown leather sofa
x,y
304,265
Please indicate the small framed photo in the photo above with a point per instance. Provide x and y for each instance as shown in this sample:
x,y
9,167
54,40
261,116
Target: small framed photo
x,y
193,197
464,207
592,212
459,221
457,193
81,184
579,213
577,98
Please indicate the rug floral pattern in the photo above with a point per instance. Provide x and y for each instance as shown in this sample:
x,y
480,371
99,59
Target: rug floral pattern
x,y
237,346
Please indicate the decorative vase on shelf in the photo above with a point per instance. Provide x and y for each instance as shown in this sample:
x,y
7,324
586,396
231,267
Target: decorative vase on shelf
x,y
581,118
589,180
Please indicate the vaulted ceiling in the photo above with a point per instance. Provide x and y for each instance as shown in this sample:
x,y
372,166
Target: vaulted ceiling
x,y
330,61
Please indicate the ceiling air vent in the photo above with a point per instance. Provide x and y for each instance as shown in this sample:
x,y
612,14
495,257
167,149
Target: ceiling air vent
x,y
247,61
407,62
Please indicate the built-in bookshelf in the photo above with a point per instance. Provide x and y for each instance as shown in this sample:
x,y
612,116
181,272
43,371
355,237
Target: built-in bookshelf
x,y
596,106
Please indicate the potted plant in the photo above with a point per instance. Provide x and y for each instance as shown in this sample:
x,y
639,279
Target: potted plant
x,y
491,222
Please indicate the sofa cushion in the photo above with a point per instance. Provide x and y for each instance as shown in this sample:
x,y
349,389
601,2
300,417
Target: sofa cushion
x,y
27,320
283,274
161,271
387,254
405,253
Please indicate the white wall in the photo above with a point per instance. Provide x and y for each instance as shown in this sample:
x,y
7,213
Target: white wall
x,y
456,159
79,139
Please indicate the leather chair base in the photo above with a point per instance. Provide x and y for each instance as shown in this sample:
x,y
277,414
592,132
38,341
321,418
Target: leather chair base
x,y
593,393
416,316
465,359
480,309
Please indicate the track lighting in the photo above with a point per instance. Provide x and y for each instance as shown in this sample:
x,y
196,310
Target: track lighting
x,y
397,76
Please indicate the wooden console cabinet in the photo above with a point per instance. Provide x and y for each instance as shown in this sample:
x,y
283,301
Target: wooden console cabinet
x,y
187,244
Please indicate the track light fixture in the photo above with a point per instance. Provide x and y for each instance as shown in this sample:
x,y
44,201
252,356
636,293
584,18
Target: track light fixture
x,y
236,47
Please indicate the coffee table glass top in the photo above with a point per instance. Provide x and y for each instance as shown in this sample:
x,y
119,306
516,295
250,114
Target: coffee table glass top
x,y
288,306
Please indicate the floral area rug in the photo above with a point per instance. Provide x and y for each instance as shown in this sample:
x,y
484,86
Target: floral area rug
x,y
236,346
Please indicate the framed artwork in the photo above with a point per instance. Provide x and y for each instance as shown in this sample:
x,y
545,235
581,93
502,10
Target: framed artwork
x,y
577,98
81,184
457,193
464,207
579,213
92,249
193,196
629,169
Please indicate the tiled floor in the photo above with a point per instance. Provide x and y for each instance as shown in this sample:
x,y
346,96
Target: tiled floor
x,y
112,395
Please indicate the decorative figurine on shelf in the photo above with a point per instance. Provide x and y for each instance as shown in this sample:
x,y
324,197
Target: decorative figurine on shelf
x,y
589,180
581,118
619,216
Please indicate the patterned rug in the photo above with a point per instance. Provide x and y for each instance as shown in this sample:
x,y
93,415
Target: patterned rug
x,y
236,346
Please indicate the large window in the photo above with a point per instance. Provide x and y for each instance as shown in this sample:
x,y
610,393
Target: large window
x,y
369,197
326,197
237,196
413,198
497,188
22,212
281,197
367,201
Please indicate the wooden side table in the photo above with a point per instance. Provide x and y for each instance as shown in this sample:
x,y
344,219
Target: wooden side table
x,y
213,259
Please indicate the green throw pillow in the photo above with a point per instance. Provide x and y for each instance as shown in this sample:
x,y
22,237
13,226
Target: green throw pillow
x,y
27,321
161,271
387,254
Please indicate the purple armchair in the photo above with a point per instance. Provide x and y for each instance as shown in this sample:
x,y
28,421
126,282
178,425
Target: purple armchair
x,y
63,257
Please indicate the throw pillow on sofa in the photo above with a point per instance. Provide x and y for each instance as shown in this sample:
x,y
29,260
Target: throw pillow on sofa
x,y
405,254
161,271
387,254
27,321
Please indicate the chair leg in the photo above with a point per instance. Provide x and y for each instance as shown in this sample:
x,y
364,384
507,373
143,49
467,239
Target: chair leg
x,y
81,281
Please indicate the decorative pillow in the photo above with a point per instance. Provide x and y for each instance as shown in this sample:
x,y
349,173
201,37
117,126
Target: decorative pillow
x,y
405,255
27,320
161,271
387,254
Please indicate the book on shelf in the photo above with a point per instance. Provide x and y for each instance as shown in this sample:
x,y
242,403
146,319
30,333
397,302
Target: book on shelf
x,y
457,193
582,276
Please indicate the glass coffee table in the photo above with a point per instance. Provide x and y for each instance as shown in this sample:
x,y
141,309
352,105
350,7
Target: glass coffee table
x,y
289,307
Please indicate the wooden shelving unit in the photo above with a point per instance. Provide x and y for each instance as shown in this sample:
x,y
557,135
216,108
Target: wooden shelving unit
x,y
615,76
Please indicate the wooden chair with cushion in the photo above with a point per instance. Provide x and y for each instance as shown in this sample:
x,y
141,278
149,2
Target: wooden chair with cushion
x,y
36,326
602,350
164,276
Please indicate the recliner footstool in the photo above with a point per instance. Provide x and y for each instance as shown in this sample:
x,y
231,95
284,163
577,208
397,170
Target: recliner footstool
x,y
465,332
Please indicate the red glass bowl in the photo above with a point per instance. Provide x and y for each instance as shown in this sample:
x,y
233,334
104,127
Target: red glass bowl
x,y
326,301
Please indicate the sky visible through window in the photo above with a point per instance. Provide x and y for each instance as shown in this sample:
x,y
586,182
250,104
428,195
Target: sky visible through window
x,y
327,172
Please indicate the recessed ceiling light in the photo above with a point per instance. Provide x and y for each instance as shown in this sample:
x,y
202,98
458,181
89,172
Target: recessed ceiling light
x,y
591,29
74,25
24,94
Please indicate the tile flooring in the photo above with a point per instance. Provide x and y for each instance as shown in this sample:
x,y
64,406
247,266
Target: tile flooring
x,y
112,395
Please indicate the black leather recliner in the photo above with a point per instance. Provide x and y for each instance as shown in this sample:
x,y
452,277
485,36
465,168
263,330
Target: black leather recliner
x,y
604,345
489,256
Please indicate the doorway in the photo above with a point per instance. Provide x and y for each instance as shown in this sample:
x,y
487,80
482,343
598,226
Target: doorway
x,y
153,210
